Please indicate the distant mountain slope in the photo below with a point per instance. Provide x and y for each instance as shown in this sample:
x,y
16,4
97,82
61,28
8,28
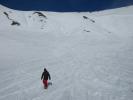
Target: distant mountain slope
x,y
67,22
41,20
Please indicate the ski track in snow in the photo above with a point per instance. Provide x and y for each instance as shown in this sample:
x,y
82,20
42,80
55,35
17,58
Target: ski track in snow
x,y
93,65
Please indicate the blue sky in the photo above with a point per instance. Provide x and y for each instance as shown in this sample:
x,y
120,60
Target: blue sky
x,y
65,5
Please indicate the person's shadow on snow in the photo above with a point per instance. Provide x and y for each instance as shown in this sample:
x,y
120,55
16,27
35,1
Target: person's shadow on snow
x,y
49,83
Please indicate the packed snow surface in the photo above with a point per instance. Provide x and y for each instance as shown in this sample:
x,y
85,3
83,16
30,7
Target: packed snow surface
x,y
89,55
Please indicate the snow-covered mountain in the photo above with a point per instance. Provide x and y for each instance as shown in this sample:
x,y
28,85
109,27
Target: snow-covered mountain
x,y
89,55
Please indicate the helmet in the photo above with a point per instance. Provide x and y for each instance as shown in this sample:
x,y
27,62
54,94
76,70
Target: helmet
x,y
45,69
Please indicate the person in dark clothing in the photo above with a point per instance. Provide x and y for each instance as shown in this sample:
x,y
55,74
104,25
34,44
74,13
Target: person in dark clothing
x,y
45,76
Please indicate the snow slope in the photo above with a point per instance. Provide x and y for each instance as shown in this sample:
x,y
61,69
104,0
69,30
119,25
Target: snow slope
x,y
89,55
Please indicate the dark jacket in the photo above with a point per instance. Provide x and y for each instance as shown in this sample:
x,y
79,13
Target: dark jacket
x,y
45,75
